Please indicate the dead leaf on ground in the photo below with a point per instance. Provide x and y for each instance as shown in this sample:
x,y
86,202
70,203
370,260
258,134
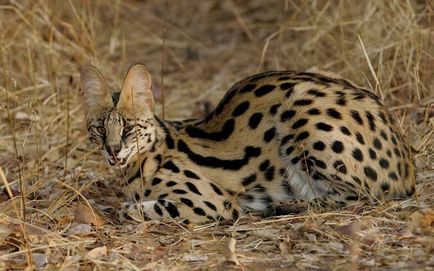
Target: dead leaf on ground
x,y
97,252
351,229
423,221
84,214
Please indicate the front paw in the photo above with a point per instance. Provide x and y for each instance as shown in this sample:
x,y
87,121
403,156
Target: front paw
x,y
279,208
128,212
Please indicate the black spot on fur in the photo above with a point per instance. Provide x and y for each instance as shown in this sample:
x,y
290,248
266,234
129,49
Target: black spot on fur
x,y
248,88
299,123
193,188
358,155
313,112
199,211
248,180
345,130
319,163
190,174
319,146
383,135
264,165
269,174
356,116
394,140
397,152
158,210
179,191
210,205
338,146
393,176
162,196
147,192
224,134
295,160
384,163
156,181
241,109
235,215
340,166
372,154
302,102
324,126
269,134
171,183
287,115
171,166
341,101
334,113
316,93
385,187
172,210
370,173
371,121
302,136
383,118
264,90
286,139
254,120
289,150
273,109
359,138
187,202
216,189
377,143
286,86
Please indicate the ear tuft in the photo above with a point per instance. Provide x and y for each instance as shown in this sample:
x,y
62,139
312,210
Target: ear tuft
x,y
96,93
136,95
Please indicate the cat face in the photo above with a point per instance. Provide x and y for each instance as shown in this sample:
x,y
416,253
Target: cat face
x,y
122,123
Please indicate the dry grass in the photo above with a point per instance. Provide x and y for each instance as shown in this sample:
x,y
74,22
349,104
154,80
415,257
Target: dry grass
x,y
209,45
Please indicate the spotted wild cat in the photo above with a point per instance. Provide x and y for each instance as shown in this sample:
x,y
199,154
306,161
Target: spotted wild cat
x,y
279,142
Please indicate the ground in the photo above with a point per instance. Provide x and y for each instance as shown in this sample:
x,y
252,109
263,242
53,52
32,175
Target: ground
x,y
55,186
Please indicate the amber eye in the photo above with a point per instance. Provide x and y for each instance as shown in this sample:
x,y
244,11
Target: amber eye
x,y
101,130
128,129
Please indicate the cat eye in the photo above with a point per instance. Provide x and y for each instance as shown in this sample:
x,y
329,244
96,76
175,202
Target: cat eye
x,y
101,130
128,129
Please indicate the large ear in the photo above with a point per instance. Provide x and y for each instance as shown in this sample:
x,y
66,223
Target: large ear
x,y
96,94
136,95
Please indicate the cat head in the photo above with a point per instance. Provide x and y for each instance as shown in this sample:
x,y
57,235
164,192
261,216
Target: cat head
x,y
121,122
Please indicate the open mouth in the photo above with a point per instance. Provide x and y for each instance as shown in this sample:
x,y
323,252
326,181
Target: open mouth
x,y
114,161
117,162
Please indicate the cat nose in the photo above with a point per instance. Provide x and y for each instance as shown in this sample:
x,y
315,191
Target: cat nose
x,y
115,149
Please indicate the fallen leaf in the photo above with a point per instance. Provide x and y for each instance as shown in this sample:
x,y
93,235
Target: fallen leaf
x,y
80,229
39,260
423,221
352,229
86,215
97,252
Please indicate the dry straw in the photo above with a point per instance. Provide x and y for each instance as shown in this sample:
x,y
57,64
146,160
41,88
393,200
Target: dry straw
x,y
53,224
